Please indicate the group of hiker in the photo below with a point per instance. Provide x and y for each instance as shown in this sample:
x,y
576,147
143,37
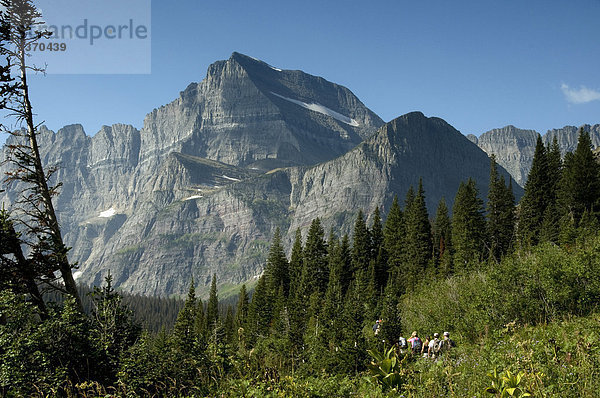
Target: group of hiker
x,y
432,347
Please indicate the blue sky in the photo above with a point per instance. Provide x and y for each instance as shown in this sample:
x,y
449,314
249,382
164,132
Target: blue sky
x,y
477,64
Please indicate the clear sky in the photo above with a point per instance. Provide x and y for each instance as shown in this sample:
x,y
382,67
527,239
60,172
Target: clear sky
x,y
477,64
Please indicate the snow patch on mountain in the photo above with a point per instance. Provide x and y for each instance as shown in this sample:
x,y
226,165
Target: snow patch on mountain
x,y
316,107
107,213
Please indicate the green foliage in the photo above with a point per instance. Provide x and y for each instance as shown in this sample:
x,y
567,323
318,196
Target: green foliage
x,y
388,370
276,270
212,308
442,239
361,247
112,329
507,384
536,199
315,270
580,185
468,226
418,246
45,356
500,214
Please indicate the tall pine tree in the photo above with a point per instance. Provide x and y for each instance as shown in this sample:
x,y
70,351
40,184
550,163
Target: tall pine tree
x,y
361,247
468,226
212,308
580,183
535,200
276,271
418,238
500,214
442,239
315,271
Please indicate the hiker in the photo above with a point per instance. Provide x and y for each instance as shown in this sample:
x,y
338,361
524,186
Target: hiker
x,y
447,344
415,343
402,344
425,348
434,346
377,327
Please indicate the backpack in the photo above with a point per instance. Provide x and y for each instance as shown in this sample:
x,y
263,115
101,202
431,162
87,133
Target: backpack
x,y
402,342
417,344
437,345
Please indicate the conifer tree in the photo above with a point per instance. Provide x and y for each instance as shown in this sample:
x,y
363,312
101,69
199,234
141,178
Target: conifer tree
x,y
376,232
418,238
242,307
315,272
392,322
296,264
333,302
361,246
21,28
260,311
200,323
212,308
314,335
393,236
535,200
580,183
379,255
352,345
184,330
549,231
343,257
468,226
229,327
500,214
276,271
554,160
442,239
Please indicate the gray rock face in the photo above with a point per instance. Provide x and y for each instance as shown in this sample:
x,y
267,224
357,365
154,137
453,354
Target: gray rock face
x,y
201,221
246,113
198,190
514,148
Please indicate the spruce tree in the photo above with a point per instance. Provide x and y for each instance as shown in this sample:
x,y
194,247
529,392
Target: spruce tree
x,y
344,257
393,236
260,311
379,255
296,264
212,308
418,238
315,272
580,183
392,321
361,246
468,226
276,271
549,231
184,331
442,239
535,200
242,307
376,232
500,214
229,327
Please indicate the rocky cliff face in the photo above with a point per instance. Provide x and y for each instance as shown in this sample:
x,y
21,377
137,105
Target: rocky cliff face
x,y
514,148
247,113
200,188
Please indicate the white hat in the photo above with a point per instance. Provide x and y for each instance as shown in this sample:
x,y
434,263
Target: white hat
x,y
447,334
436,335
